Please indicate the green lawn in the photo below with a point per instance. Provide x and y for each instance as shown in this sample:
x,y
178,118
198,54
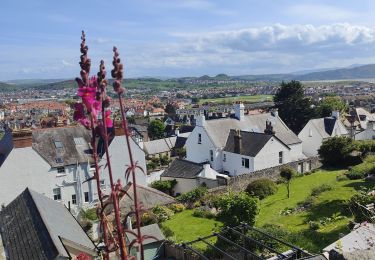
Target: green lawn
x,y
327,204
249,99
186,227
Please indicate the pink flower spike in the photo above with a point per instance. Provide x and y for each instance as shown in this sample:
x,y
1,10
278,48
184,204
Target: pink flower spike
x,y
108,119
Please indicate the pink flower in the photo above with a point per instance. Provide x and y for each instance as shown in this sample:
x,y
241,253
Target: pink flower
x,y
108,119
79,115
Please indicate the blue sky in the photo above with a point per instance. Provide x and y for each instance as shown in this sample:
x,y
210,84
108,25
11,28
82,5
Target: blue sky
x,y
40,38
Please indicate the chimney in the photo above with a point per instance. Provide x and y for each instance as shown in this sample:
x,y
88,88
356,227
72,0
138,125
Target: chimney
x,y
269,128
237,141
239,111
200,120
335,114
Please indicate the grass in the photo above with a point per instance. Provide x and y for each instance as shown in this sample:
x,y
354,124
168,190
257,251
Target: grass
x,y
248,99
327,204
186,227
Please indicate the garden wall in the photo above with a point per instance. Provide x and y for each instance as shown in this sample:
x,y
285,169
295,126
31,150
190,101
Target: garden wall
x,y
239,183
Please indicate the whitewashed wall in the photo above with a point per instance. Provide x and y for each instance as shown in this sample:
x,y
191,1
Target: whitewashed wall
x,y
311,140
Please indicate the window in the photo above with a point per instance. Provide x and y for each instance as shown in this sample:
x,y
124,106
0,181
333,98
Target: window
x,y
211,155
57,194
224,157
245,163
58,144
86,196
60,170
79,141
280,157
59,160
74,199
102,183
199,138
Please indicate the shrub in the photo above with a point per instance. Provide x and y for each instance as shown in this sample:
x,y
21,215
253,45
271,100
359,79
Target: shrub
x,y
202,213
356,204
165,160
148,218
361,170
370,158
318,190
235,208
193,195
261,188
342,177
164,186
162,213
177,207
314,225
89,214
151,166
365,147
336,151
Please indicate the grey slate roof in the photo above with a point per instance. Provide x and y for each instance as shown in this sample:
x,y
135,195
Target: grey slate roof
x,y
150,230
252,142
325,126
70,153
31,227
183,169
218,129
159,145
149,198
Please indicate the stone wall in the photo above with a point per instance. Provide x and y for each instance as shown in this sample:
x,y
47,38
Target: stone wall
x,y
239,183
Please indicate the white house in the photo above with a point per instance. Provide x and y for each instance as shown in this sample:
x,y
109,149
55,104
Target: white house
x,y
209,138
317,130
190,175
58,163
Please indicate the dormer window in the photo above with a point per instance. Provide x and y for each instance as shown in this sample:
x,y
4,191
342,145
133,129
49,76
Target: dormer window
x,y
60,169
58,144
199,138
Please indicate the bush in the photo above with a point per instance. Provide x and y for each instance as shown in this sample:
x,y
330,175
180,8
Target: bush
x,y
370,158
307,203
193,195
342,177
356,204
365,147
361,170
162,213
165,160
148,218
202,213
318,190
151,166
314,225
164,186
262,188
235,208
177,207
336,151
89,214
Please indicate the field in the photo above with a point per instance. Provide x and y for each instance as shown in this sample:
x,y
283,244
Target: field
x,y
328,205
230,100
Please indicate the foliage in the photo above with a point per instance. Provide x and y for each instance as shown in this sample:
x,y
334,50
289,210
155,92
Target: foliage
x,y
193,195
369,159
336,151
151,166
162,213
365,146
148,218
361,170
294,108
320,189
287,174
177,207
329,104
202,213
86,225
156,129
164,186
165,160
180,152
262,188
235,208
357,203
170,109
89,214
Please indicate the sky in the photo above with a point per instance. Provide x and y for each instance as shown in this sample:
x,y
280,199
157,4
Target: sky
x,y
174,38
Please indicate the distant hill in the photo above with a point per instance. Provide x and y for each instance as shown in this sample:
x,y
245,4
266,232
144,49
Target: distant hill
x,y
7,87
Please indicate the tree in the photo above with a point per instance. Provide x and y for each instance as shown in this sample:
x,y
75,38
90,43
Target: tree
x,y
235,208
156,129
336,151
287,174
294,109
170,109
195,100
329,104
261,188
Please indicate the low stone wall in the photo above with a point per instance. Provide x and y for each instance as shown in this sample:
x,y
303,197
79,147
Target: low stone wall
x,y
239,183
172,251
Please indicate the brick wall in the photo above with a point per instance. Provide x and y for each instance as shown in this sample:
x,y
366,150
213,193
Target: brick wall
x,y
239,183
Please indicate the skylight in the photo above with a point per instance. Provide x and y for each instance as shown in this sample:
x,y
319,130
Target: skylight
x,y
58,144
79,141
59,160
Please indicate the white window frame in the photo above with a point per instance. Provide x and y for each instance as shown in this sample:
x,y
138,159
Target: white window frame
x,y
244,160
281,157
57,194
74,199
